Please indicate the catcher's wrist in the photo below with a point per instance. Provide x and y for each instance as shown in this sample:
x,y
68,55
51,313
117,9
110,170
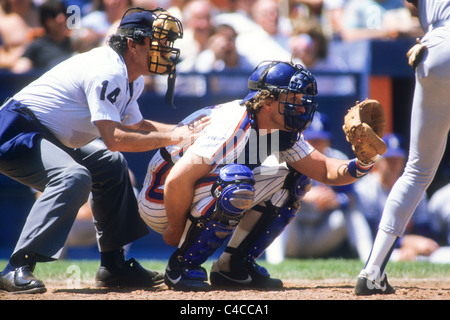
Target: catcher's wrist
x,y
357,169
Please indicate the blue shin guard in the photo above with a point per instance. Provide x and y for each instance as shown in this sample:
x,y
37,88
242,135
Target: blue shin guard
x,y
274,220
234,194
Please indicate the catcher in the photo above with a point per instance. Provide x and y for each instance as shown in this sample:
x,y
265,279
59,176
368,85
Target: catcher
x,y
243,179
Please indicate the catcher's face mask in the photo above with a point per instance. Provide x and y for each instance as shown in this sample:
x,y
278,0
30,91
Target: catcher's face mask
x,y
302,83
295,88
162,29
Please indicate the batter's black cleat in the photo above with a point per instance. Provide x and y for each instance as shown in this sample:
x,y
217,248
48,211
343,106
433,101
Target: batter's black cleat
x,y
366,287
129,274
252,276
181,278
20,280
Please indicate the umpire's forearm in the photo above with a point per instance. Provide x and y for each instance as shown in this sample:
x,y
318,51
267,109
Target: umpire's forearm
x,y
128,139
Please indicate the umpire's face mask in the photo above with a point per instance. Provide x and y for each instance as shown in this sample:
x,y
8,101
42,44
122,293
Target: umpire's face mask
x,y
162,29
162,55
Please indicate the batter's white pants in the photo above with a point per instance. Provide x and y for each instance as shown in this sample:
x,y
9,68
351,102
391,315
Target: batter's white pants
x,y
430,125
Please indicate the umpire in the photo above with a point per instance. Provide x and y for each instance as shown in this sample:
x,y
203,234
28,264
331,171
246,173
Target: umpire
x,y
49,141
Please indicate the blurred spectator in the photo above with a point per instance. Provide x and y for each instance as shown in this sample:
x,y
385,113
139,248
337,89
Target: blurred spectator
x,y
333,18
329,223
310,47
151,4
84,39
55,46
221,53
308,8
237,14
372,191
439,207
105,13
19,25
378,19
198,27
308,43
221,56
176,7
270,40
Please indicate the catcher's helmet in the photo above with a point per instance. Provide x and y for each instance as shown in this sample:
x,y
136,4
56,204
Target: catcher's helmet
x,y
283,77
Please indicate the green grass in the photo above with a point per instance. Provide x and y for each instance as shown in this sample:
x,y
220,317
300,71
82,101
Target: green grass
x,y
289,269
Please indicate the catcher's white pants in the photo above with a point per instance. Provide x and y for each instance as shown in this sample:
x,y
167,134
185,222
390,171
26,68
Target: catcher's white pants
x,y
269,179
430,125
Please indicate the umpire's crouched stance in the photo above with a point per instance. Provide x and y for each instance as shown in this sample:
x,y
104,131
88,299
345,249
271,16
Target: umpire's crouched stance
x,y
49,141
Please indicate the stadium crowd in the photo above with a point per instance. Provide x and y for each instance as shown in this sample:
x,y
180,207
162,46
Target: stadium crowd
x,y
46,31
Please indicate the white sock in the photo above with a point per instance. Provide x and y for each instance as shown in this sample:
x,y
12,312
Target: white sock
x,y
381,251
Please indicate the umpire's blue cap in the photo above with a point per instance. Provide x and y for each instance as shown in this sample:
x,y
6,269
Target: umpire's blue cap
x,y
139,20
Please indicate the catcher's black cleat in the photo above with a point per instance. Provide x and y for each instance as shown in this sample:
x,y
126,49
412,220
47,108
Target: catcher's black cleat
x,y
186,279
367,287
129,274
253,277
21,280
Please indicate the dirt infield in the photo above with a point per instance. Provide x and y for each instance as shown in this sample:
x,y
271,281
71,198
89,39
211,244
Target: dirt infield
x,y
407,289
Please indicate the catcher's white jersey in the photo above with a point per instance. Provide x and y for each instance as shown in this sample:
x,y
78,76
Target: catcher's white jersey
x,y
86,88
224,140
228,139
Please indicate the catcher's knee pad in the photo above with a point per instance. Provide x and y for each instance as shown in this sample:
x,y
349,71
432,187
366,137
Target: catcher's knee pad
x,y
233,195
275,219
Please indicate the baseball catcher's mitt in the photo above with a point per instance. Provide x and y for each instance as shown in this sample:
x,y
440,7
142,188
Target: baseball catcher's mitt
x,y
364,126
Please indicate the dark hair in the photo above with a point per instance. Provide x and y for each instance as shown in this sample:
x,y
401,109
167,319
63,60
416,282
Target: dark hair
x,y
49,10
118,43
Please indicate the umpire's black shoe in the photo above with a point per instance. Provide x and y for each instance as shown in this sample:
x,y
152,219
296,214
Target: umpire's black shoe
x,y
366,287
129,274
21,280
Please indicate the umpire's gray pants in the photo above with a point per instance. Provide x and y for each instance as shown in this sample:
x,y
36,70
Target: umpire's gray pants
x,y
66,177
